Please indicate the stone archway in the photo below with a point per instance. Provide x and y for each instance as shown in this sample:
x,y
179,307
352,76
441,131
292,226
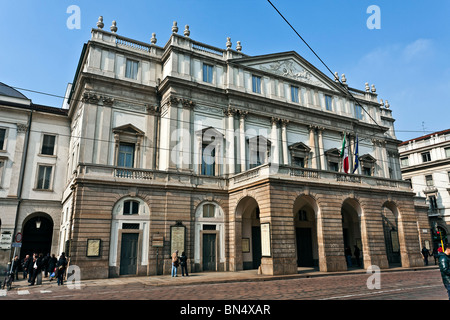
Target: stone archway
x,y
391,234
248,209
37,232
305,211
351,228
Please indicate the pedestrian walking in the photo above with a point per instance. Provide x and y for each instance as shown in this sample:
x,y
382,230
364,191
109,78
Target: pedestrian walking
x,y
357,253
61,268
348,256
30,264
183,264
25,266
45,264
435,255
52,267
444,266
425,254
175,262
15,268
37,270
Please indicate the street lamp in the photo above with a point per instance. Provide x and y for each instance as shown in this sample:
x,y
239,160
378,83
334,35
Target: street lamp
x,y
38,223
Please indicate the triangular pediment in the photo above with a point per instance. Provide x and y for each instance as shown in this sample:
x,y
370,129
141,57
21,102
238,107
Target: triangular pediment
x,y
291,66
367,158
333,152
128,128
299,146
209,133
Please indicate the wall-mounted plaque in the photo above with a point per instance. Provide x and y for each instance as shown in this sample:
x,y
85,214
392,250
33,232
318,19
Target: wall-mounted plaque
x,y
93,248
245,245
5,241
265,240
177,238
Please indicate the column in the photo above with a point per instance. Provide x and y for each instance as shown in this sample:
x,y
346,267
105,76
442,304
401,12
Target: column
x,y
384,158
312,145
321,151
229,136
186,135
242,115
275,157
284,142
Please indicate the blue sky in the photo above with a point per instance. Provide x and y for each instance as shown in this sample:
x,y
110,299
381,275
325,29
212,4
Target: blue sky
x,y
407,59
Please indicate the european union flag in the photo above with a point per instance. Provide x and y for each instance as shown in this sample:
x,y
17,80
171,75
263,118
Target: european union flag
x,y
355,167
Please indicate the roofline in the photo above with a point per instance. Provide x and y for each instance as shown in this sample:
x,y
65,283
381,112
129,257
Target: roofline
x,y
425,136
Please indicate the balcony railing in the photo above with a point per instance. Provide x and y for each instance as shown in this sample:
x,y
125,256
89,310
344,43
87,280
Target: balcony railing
x,y
265,171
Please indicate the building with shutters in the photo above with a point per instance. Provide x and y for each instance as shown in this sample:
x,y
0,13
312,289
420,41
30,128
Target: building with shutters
x,y
425,163
233,159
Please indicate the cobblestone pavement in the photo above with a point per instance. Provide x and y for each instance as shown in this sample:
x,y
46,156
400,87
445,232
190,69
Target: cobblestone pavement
x,y
401,284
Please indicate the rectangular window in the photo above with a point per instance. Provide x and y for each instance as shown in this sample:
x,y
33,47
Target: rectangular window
x,y
130,207
209,211
329,102
126,155
334,166
256,84
207,73
429,180
358,112
447,152
426,157
2,139
44,177
294,94
208,161
433,203
404,161
131,69
367,171
298,162
48,145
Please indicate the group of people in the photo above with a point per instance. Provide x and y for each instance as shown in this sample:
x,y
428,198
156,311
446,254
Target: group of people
x,y
435,253
179,261
348,256
33,266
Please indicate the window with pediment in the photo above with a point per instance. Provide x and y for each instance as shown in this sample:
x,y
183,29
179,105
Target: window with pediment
x,y
299,154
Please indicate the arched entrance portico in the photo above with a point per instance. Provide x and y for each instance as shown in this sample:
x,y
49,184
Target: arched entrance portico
x,y
391,232
305,209
351,228
37,232
251,233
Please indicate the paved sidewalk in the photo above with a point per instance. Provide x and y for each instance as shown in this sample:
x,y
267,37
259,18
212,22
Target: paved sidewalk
x,y
207,277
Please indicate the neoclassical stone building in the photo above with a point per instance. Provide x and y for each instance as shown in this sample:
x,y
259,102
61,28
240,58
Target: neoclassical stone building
x,y
233,159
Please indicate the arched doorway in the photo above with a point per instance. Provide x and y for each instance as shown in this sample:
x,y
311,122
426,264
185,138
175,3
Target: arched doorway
x,y
251,233
37,234
351,227
390,228
305,209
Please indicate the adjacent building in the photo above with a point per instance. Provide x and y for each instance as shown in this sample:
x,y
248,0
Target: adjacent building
x,y
233,159
425,163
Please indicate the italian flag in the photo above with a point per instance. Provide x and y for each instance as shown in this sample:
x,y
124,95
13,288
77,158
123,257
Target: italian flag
x,y
344,155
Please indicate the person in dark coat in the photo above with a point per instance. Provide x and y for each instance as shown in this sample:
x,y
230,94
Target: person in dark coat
x,y
357,253
30,263
45,264
183,264
25,266
15,267
61,267
37,268
426,254
444,266
52,265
